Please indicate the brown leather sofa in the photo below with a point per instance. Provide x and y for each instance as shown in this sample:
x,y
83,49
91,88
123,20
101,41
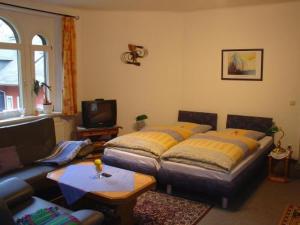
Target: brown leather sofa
x,y
16,201
33,140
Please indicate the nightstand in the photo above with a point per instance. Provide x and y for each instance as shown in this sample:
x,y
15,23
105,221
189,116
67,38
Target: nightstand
x,y
279,156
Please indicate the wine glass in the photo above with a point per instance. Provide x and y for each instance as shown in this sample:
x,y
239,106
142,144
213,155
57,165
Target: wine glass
x,y
98,167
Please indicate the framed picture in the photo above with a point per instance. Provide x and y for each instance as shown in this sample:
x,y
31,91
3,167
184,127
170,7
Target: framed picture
x,y
242,64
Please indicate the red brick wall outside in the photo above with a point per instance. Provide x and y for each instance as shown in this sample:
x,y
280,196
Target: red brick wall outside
x,y
11,91
14,91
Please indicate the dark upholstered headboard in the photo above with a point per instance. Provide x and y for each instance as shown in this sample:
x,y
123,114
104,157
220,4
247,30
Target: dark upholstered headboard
x,y
198,117
262,124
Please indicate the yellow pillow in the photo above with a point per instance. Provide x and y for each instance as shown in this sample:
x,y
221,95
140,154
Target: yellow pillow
x,y
256,135
194,127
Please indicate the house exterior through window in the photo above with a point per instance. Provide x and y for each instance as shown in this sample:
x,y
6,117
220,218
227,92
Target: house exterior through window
x,y
30,48
9,68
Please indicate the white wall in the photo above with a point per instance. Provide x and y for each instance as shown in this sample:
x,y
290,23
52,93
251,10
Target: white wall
x,y
276,29
183,69
153,88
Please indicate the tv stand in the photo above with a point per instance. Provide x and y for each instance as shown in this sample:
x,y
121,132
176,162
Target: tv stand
x,y
98,135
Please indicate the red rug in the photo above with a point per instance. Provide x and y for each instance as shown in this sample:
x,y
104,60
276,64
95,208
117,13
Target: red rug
x,y
154,208
291,216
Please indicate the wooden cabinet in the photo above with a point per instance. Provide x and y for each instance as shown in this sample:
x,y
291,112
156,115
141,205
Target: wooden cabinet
x,y
98,135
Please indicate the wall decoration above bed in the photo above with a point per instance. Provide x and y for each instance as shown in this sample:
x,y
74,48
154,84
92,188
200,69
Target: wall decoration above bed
x,y
242,64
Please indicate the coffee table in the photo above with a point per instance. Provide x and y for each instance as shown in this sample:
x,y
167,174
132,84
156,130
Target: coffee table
x,y
123,202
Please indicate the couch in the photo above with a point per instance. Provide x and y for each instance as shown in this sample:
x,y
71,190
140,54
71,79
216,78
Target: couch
x,y
32,140
16,201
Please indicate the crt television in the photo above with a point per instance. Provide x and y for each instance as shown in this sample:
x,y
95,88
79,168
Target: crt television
x,y
99,113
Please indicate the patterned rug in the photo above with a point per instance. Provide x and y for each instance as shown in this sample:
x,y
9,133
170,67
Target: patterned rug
x,y
154,208
291,216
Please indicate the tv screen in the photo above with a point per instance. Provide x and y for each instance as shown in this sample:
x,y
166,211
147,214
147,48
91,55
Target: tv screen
x,y
99,113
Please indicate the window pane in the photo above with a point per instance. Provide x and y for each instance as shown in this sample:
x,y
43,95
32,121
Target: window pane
x,y
7,34
40,67
38,40
9,80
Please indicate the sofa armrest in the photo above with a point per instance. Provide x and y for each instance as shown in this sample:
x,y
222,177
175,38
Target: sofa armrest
x,y
14,191
5,215
89,217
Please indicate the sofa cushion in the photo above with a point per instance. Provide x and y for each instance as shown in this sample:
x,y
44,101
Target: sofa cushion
x,y
34,175
33,140
9,159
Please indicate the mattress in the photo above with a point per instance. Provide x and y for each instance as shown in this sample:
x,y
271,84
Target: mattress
x,y
265,143
140,163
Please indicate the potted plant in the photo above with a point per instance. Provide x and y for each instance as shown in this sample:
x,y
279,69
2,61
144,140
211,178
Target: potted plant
x,y
140,121
37,88
273,130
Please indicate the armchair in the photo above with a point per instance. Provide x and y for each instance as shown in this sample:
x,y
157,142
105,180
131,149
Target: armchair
x,y
16,201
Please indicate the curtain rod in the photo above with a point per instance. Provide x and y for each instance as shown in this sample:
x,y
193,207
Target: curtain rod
x,y
38,10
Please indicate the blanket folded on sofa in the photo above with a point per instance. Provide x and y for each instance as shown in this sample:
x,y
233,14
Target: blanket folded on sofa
x,y
48,216
155,140
65,152
213,150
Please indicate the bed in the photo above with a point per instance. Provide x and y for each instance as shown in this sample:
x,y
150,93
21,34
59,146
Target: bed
x,y
219,183
146,163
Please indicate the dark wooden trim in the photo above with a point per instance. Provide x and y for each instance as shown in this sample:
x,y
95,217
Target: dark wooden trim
x,y
262,124
199,117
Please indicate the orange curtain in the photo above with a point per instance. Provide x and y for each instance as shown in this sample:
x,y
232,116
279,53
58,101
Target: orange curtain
x,y
69,67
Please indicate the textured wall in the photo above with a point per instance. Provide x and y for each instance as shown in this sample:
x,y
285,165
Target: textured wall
x,y
153,88
276,29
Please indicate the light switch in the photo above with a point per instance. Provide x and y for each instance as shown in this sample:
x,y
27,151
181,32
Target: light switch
x,y
292,103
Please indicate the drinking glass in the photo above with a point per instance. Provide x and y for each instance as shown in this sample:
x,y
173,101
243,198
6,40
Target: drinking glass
x,y
98,167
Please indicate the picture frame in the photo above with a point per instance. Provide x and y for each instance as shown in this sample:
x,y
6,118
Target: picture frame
x,y
242,64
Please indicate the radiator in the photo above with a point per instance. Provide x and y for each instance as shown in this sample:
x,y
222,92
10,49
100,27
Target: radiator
x,y
63,129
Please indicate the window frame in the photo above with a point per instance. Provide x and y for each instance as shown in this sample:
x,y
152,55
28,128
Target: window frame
x,y
26,71
20,51
50,78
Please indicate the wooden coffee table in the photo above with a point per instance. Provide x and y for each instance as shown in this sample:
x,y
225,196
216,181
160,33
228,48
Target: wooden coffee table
x,y
124,202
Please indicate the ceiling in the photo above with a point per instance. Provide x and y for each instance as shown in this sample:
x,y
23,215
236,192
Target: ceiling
x,y
157,5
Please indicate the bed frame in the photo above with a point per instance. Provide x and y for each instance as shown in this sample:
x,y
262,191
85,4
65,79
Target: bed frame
x,y
261,124
183,116
223,189
199,117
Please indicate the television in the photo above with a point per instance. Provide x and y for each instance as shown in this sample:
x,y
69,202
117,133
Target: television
x,y
99,113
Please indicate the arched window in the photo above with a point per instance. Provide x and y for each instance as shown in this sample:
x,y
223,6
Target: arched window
x,y
7,33
38,40
41,67
10,85
30,51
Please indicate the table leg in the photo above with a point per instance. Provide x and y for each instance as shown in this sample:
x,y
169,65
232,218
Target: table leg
x,y
270,166
286,169
125,212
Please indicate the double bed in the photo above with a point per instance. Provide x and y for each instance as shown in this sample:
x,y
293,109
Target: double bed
x,y
225,184
133,159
